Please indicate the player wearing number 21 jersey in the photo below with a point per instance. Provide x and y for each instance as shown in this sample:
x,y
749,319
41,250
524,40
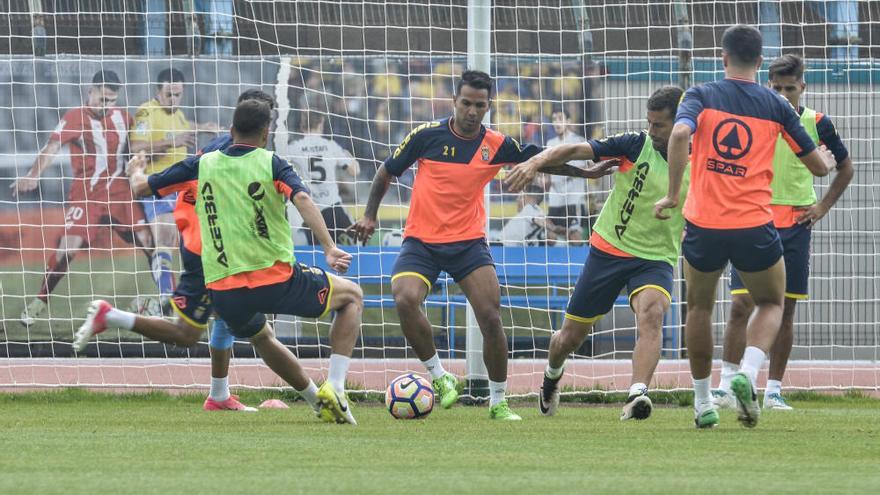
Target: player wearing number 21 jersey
x,y
445,230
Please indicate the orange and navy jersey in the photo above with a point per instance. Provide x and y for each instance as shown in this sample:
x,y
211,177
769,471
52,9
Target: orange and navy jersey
x,y
735,124
447,200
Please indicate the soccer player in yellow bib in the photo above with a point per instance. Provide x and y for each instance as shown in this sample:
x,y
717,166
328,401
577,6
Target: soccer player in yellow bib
x,y
795,210
165,135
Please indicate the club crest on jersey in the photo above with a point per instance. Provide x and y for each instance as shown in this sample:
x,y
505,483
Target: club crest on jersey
x,y
484,152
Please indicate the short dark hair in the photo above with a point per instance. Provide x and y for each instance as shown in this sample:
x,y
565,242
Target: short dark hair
x,y
742,44
787,65
169,75
475,79
257,94
251,117
665,98
106,78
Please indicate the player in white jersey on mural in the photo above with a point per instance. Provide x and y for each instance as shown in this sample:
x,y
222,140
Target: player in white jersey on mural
x,y
318,159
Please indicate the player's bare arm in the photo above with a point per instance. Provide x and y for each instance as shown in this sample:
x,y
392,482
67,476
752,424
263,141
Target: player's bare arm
x,y
593,171
363,229
554,163
30,181
842,178
677,158
337,259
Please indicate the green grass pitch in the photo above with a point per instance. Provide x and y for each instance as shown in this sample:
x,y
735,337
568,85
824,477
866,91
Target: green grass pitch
x,y
78,442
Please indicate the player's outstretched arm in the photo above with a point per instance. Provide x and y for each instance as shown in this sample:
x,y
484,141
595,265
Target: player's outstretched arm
x,y
677,158
845,173
552,160
337,259
30,181
363,229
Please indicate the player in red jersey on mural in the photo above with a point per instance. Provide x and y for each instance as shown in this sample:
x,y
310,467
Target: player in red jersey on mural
x,y
99,196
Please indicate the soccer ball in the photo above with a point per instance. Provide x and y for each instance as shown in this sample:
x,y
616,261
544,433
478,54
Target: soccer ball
x,y
393,238
409,397
145,306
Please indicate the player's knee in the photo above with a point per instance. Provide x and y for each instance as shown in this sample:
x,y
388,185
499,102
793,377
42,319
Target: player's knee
x,y
652,312
355,293
407,299
788,309
264,335
740,309
572,335
490,322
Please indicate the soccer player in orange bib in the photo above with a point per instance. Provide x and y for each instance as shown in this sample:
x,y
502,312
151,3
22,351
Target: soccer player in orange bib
x,y
735,123
446,230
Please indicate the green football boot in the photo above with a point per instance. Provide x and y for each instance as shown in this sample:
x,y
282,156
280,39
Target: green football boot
x,y
747,400
706,417
446,388
502,412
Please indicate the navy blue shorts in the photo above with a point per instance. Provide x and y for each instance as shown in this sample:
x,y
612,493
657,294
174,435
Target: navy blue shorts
x,y
751,250
426,261
306,293
190,300
796,253
605,275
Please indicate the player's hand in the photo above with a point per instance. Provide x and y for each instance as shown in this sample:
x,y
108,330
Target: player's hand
x,y
665,203
337,259
24,184
522,175
601,169
137,164
812,214
362,230
827,157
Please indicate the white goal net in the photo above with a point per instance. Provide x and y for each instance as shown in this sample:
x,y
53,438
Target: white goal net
x,y
372,71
